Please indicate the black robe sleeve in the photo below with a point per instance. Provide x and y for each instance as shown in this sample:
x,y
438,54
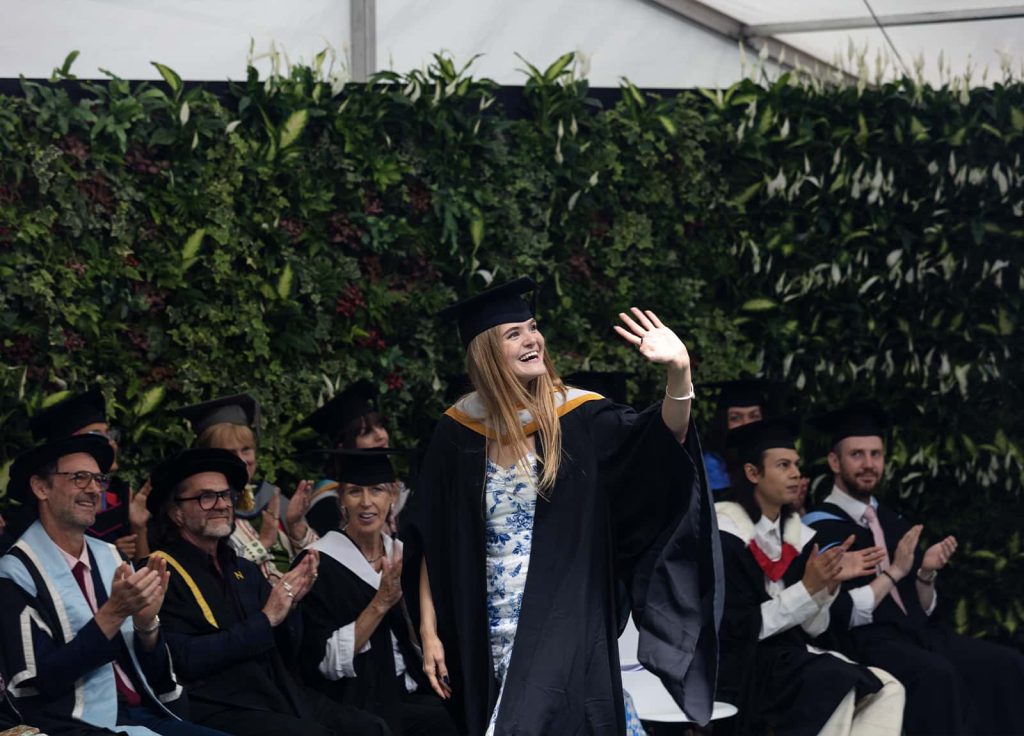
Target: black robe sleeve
x,y
667,548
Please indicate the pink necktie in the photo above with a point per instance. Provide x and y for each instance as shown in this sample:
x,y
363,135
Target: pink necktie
x,y
871,517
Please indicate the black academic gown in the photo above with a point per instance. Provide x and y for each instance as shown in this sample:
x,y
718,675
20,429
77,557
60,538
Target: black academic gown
x,y
344,588
224,649
776,683
954,684
630,502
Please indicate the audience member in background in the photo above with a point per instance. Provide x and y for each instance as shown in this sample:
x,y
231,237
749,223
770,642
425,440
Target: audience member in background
x,y
122,516
233,636
231,423
739,402
778,589
6,540
80,633
351,421
358,645
955,685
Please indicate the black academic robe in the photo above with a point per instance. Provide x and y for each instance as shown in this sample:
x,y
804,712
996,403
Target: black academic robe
x,y
629,502
776,683
225,651
954,684
56,662
343,590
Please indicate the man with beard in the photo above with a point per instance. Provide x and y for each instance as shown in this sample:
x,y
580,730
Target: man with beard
x,y
233,637
81,642
954,684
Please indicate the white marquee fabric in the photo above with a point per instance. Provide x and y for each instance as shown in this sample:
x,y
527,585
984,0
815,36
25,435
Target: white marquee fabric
x,y
639,39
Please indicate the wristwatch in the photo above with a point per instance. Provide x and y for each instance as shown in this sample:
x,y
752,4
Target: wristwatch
x,y
152,629
925,578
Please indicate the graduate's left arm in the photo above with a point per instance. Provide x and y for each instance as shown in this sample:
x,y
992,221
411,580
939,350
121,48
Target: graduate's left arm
x,y
659,344
935,558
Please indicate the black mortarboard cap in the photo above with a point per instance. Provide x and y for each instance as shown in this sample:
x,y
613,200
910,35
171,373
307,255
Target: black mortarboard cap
x,y
610,384
357,400
167,475
31,461
367,467
68,416
860,419
741,392
752,439
494,306
242,409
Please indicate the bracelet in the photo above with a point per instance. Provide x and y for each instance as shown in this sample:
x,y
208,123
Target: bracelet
x,y
688,397
886,573
929,580
152,629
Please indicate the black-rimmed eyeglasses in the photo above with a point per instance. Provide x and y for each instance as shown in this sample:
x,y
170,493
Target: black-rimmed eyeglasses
x,y
208,499
83,478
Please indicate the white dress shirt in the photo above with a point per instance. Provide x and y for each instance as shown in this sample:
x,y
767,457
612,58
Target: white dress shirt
x,y
794,605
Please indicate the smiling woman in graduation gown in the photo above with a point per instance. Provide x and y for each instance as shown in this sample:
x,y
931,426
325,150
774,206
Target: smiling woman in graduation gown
x,y
629,500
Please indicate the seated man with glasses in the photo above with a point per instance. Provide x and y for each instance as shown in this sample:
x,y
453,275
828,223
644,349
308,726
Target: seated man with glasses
x,y
81,640
121,517
231,634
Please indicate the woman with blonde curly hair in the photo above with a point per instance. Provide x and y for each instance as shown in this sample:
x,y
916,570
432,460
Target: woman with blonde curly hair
x,y
534,497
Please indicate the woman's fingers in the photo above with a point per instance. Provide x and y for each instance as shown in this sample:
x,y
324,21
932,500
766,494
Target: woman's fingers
x,y
631,324
653,318
627,336
642,318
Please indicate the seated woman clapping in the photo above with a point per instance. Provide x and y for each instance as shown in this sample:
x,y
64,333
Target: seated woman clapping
x,y
358,643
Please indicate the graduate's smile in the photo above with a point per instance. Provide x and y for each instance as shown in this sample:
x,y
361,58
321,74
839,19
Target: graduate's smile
x,y
523,347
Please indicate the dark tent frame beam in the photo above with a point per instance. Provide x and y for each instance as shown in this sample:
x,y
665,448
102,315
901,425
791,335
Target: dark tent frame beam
x,y
888,21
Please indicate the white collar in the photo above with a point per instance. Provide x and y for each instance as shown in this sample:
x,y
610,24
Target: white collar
x,y
339,547
854,509
733,519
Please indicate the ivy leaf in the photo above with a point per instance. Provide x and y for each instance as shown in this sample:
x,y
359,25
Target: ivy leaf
x,y
184,114
293,127
476,230
667,124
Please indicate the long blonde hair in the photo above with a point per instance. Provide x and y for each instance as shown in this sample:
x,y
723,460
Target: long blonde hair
x,y
504,396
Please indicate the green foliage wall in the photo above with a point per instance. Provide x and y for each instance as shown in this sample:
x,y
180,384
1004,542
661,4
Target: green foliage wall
x,y
171,245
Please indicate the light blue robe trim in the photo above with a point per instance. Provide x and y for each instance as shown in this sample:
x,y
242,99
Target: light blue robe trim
x,y
96,693
815,516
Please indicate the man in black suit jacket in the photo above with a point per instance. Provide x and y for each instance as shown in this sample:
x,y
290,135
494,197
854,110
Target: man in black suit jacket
x,y
954,684
231,635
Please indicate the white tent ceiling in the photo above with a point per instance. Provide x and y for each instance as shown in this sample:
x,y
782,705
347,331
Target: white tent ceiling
x,y
656,43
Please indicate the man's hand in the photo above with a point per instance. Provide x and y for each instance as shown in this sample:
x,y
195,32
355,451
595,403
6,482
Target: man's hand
x,y
130,593
822,568
938,554
291,588
861,563
144,617
903,560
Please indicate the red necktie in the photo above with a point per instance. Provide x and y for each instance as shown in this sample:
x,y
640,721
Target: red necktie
x,y
125,691
871,517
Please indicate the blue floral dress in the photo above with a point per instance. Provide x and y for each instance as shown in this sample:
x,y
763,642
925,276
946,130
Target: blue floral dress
x,y
510,495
